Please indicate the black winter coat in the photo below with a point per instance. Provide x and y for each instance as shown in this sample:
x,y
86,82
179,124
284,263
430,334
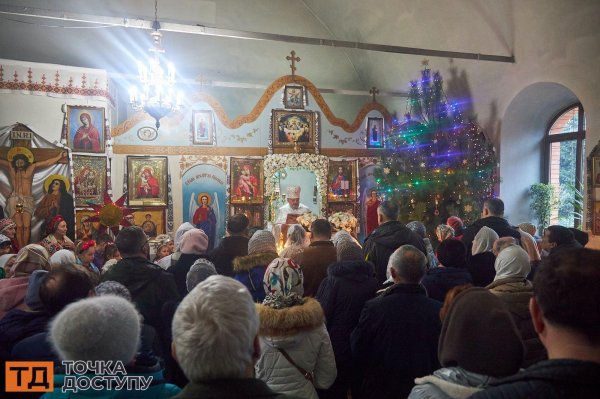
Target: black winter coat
x,y
229,248
496,223
342,295
550,379
150,286
384,240
438,281
396,340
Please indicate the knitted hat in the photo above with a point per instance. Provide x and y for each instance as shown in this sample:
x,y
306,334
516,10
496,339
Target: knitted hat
x,y
348,250
32,297
185,227
480,335
455,222
113,288
262,241
4,240
284,276
31,257
443,232
194,242
63,257
341,235
6,223
293,192
98,328
200,271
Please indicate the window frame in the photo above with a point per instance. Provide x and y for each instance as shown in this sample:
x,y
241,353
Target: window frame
x,y
578,136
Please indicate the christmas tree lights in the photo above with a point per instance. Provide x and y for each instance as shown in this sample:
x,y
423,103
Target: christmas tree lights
x,y
439,164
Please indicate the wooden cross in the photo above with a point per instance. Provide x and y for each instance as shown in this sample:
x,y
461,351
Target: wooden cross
x,y
425,62
294,59
374,91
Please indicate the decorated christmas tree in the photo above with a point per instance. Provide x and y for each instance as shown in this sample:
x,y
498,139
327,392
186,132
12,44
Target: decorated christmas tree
x,y
438,164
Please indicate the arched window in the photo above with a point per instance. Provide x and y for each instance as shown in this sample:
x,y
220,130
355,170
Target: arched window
x,y
564,162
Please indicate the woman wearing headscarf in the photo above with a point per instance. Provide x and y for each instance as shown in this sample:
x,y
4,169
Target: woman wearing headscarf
x,y
13,289
511,286
296,355
444,232
419,228
479,343
193,245
350,282
9,228
481,263
296,242
56,238
170,260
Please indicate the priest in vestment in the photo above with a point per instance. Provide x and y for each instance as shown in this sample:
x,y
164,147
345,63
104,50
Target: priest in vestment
x,y
287,214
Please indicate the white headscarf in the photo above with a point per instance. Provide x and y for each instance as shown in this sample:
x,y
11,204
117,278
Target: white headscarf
x,y
512,261
484,240
5,258
63,257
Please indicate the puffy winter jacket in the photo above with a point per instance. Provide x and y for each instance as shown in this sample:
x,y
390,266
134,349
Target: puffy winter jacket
x,y
250,270
300,331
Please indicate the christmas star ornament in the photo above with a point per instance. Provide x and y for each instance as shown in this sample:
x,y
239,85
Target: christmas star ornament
x,y
111,214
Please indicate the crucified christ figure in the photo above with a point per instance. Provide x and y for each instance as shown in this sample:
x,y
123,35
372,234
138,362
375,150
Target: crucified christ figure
x,y
20,205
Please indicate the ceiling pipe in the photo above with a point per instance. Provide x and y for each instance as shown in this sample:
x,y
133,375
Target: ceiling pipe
x,y
241,34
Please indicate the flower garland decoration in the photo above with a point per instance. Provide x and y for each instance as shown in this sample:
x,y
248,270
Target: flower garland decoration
x,y
317,164
343,221
305,220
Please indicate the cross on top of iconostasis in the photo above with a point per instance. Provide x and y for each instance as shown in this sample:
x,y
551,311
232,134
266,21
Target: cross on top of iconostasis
x,y
293,60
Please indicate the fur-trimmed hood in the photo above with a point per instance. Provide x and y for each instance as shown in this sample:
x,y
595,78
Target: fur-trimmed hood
x,y
245,263
290,321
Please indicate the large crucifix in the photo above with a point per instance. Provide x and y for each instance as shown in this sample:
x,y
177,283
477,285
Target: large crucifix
x,y
293,59
21,162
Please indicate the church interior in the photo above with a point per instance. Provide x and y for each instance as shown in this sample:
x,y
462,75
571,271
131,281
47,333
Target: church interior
x,y
165,112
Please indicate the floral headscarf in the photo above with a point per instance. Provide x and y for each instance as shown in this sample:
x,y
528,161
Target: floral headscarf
x,y
283,283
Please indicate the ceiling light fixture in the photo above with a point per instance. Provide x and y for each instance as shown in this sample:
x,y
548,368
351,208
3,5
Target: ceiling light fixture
x,y
157,95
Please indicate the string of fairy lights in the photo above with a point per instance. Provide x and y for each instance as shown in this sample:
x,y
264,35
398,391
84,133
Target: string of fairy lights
x,y
440,164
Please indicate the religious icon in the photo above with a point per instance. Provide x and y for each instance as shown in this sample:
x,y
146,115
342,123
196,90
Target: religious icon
x,y
596,171
89,181
294,129
203,128
375,137
246,180
151,220
205,215
86,129
293,97
147,181
86,229
341,181
21,167
56,201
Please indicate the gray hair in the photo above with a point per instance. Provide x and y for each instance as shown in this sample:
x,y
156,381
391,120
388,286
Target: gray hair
x,y
214,329
409,263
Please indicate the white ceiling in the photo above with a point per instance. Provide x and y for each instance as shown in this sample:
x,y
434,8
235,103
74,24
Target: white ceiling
x,y
539,33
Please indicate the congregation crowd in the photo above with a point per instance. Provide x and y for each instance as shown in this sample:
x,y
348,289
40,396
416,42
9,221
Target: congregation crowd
x,y
488,310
